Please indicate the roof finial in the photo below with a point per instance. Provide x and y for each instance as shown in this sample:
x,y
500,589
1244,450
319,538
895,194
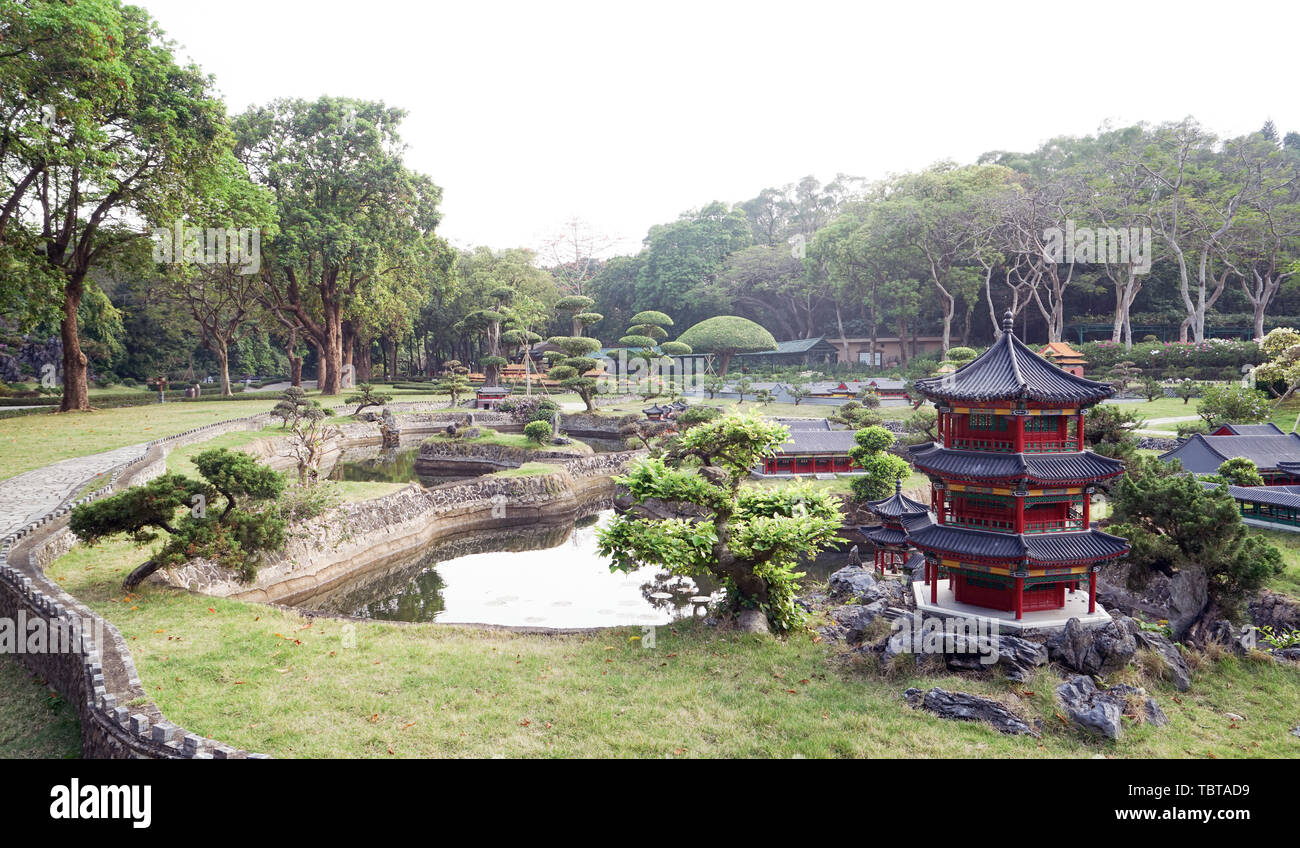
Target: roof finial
x,y
898,486
1009,323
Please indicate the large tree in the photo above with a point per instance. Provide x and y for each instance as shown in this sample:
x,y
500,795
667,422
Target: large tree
x,y
725,336
101,126
350,210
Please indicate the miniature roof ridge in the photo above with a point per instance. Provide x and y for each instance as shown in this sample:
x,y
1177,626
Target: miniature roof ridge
x,y
1010,370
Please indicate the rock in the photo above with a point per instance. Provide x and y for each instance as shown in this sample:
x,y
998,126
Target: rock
x,y
851,580
1092,650
1101,711
1233,717
1270,609
1295,731
1287,654
964,707
850,621
1019,657
1181,599
752,621
1172,658
1188,598
1219,631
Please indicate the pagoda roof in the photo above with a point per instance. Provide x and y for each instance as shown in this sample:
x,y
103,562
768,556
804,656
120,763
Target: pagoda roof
x,y
837,442
886,536
1045,548
1202,454
1283,496
1009,370
897,505
1269,429
1043,467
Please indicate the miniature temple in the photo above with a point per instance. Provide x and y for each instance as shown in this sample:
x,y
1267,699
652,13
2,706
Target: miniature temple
x,y
1011,484
899,515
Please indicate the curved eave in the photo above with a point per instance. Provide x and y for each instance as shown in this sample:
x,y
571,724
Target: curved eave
x,y
1010,371
1045,468
1045,549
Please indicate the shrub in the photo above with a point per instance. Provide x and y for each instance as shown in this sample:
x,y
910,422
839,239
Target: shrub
x,y
538,432
1233,404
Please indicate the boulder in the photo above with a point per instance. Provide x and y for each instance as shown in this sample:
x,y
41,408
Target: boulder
x,y
1270,609
849,622
1172,658
1180,599
1101,711
1092,650
852,580
964,707
752,621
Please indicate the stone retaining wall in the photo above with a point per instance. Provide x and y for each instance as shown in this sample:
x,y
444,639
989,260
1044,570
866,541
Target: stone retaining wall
x,y
97,675
360,537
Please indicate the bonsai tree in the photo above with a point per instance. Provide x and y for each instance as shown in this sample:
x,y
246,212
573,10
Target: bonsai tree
x,y
454,380
725,336
868,397
798,391
959,356
712,385
750,538
880,469
1108,429
1152,388
742,387
1124,373
304,418
367,397
1238,471
538,432
578,307
765,397
1187,389
692,416
855,415
1174,524
235,537
1233,404
1282,369
571,371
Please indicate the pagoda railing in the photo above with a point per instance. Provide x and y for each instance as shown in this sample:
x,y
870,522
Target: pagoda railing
x,y
1056,526
1004,446
980,523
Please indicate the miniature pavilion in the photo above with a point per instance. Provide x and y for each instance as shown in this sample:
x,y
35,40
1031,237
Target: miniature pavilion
x,y
1011,483
899,515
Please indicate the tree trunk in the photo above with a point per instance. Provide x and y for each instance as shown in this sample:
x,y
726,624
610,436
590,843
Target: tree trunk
x,y
361,360
76,395
333,359
222,353
295,361
139,574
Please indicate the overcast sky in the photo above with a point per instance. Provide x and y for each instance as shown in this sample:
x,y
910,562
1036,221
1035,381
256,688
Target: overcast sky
x,y
627,114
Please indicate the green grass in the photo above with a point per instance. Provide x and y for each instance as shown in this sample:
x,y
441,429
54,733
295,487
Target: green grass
x,y
771,410
35,723
33,441
1289,544
841,485
181,459
510,440
270,680
353,491
528,469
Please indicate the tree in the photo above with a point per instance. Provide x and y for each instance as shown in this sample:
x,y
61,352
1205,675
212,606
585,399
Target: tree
x,y
578,307
454,380
1152,388
1233,404
749,538
1187,389
798,391
726,335
742,387
1174,523
1282,347
350,211
367,397
880,470
102,125
1238,471
572,370
235,537
304,417
1108,428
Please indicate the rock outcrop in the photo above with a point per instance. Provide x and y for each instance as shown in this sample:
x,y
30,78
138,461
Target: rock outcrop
x,y
964,707
1101,711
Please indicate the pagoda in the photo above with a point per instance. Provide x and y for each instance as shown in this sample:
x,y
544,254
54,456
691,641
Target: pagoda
x,y
899,515
1011,483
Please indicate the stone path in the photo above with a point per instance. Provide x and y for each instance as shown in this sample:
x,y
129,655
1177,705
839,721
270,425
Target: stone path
x,y
1170,434
32,494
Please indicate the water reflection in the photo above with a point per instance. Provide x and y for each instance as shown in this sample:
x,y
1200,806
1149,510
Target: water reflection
x,y
375,464
537,575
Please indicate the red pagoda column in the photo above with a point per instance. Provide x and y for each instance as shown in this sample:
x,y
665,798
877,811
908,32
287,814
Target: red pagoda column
x,y
934,586
1020,597
1018,433
1079,428
1020,515
1092,591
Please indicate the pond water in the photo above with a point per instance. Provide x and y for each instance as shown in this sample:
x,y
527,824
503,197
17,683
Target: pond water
x,y
375,464
537,575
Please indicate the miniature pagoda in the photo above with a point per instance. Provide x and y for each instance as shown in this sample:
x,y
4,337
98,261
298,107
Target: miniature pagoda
x,y
1011,483
899,515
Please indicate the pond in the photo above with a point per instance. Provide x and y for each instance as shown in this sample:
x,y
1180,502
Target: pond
x,y
537,575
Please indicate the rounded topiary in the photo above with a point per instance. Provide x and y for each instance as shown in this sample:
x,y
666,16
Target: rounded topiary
x,y
675,348
727,335
961,355
539,432
650,316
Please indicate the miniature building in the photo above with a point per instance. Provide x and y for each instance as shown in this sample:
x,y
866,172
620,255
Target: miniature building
x,y
899,516
1277,507
793,352
805,423
1011,482
887,388
1269,429
1276,455
812,452
659,413
487,397
1064,357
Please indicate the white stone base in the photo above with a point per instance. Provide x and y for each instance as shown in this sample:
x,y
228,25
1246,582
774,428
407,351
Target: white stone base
x,y
1076,606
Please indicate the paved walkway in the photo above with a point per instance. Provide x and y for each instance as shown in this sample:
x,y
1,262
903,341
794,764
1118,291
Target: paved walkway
x,y
1170,434
32,494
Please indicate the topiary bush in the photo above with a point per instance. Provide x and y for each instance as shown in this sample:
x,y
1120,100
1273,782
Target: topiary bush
x,y
539,432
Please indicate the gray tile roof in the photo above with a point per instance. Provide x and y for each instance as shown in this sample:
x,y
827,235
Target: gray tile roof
x,y
1285,496
1044,548
1269,429
1264,451
805,423
897,505
818,441
1009,370
1046,468
791,346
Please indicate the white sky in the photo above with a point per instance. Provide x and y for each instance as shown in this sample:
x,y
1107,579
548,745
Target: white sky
x,y
627,114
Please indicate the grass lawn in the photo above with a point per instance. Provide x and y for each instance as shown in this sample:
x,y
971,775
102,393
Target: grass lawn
x,y
528,469
35,723
510,440
32,441
771,410
1160,408
841,485
1289,544
269,680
